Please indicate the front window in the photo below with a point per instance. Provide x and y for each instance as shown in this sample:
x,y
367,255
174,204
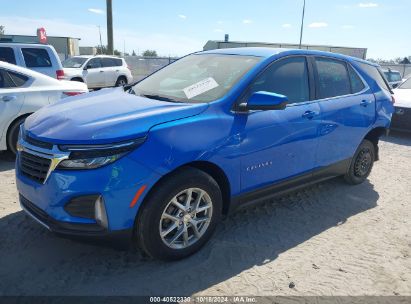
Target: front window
x,y
406,84
74,62
196,78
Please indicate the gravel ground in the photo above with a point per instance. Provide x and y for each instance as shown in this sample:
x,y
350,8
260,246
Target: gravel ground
x,y
328,239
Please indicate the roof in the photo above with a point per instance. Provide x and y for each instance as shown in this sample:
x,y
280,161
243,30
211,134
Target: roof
x,y
268,52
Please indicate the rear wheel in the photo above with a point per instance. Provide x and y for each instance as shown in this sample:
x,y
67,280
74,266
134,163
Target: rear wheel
x,y
121,81
13,135
361,164
179,216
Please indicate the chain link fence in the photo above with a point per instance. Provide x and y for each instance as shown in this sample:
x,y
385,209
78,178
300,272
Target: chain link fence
x,y
142,66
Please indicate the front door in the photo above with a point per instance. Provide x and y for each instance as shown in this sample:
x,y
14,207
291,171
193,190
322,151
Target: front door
x,y
280,144
94,75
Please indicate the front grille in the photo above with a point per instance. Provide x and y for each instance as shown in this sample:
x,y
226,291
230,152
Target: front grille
x,y
401,119
38,143
34,167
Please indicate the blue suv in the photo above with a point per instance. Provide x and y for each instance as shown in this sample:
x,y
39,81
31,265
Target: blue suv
x,y
164,159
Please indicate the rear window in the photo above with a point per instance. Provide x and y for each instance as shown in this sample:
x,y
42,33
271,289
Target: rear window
x,y
7,55
111,62
36,58
393,76
333,78
11,80
377,75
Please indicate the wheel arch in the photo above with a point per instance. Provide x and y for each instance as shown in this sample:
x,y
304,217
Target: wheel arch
x,y
77,78
25,115
211,169
374,136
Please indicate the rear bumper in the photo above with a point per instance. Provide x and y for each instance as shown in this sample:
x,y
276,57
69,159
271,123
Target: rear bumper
x,y
67,228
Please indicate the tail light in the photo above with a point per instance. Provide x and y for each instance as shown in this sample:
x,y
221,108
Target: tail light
x,y
67,94
60,74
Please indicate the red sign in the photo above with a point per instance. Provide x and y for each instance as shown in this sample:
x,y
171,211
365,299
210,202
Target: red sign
x,y
41,35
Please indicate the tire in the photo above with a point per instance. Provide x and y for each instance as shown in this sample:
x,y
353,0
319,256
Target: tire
x,y
77,79
13,135
361,163
121,81
150,220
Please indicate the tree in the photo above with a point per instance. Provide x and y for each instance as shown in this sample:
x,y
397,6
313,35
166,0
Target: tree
x,y
133,54
150,53
101,50
1,30
405,61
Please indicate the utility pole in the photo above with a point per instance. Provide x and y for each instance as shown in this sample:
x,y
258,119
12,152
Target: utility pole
x,y
302,25
110,47
101,42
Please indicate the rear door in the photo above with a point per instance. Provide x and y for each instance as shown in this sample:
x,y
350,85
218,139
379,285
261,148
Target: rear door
x,y
11,97
347,106
110,71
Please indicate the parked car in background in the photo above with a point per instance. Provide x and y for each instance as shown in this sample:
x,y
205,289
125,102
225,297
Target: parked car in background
x,y
37,57
401,119
98,71
201,137
393,77
22,92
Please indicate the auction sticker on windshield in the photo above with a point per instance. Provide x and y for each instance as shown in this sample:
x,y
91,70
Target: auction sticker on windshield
x,y
200,87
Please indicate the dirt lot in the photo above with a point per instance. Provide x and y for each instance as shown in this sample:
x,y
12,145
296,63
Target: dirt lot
x,y
329,239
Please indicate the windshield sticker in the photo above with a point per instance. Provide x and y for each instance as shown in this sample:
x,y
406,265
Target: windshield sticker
x,y
200,87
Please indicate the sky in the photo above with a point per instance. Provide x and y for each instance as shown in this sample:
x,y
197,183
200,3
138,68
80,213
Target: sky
x,y
179,27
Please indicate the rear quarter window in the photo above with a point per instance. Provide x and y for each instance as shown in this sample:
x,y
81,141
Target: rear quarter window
x,y
112,62
377,75
357,85
7,55
36,58
10,79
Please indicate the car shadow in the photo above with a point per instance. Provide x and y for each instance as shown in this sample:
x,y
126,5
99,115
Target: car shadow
x,y
399,138
34,261
7,161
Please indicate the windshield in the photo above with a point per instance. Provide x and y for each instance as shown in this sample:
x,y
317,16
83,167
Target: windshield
x,y
196,78
74,62
406,84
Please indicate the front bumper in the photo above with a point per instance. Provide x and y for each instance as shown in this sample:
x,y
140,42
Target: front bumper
x,y
117,183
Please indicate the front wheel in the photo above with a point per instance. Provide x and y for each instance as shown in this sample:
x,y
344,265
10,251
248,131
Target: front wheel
x,y
179,216
13,135
361,164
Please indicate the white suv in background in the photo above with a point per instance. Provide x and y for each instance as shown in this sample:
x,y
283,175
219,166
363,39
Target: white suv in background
x,y
37,57
98,71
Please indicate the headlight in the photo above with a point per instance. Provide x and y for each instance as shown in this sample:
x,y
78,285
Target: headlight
x,y
96,156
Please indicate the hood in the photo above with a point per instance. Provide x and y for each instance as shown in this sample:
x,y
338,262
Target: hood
x,y
402,98
105,116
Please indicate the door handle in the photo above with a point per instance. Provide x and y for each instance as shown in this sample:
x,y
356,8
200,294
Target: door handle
x,y
309,114
101,71
365,103
8,98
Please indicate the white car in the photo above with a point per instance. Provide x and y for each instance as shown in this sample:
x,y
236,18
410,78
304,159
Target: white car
x,y
22,92
38,57
98,71
401,119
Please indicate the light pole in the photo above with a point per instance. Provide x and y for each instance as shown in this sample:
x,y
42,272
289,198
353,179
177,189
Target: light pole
x,y
302,25
110,47
101,42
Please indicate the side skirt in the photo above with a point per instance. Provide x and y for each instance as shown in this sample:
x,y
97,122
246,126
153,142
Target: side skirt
x,y
289,185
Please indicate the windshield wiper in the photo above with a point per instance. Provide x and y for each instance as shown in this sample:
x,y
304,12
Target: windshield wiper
x,y
158,97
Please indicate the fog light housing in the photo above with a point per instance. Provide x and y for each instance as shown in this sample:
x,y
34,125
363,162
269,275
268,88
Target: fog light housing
x,y
100,212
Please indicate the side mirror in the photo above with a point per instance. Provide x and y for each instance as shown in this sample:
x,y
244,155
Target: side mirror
x,y
265,101
88,66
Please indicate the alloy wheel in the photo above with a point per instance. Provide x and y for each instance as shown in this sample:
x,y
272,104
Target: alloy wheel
x,y
186,218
